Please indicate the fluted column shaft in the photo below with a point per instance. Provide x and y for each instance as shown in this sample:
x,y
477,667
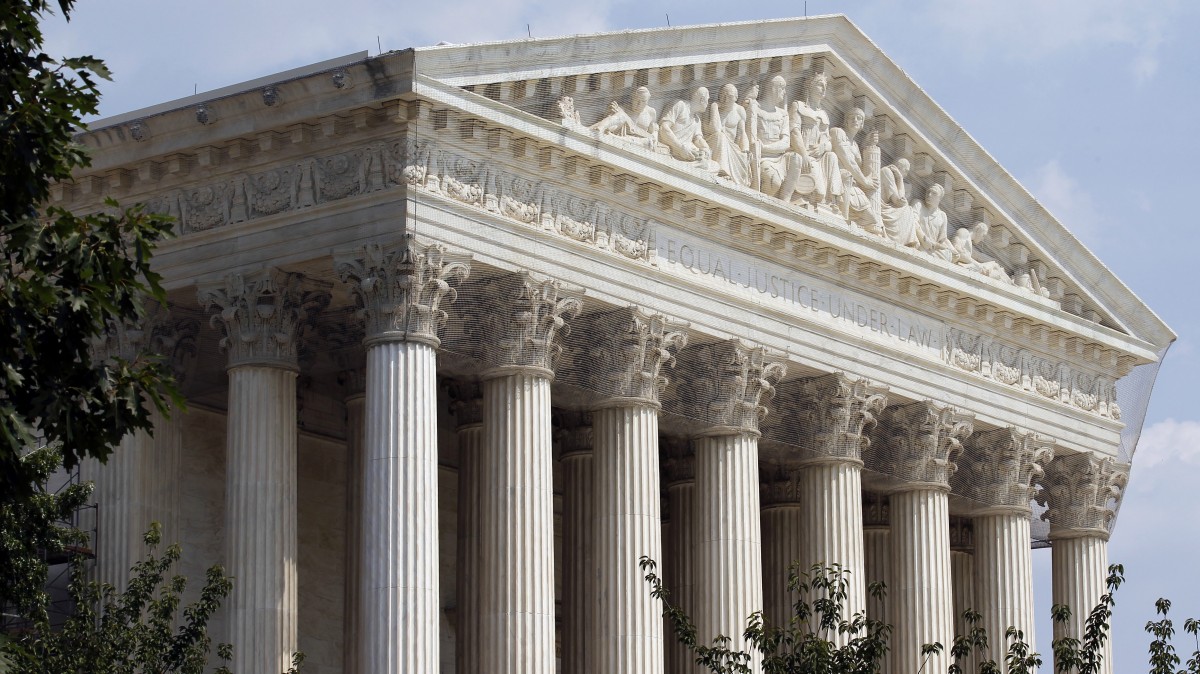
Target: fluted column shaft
x,y
1080,574
260,516
877,562
579,562
1004,578
679,568
470,562
518,525
962,573
922,599
782,542
728,537
833,526
628,526
354,539
399,589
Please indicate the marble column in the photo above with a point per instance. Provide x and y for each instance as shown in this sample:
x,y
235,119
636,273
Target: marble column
x,y
962,573
400,289
466,403
139,483
997,473
1081,492
678,569
579,644
518,320
826,418
917,445
783,524
351,615
723,388
262,315
622,358
877,560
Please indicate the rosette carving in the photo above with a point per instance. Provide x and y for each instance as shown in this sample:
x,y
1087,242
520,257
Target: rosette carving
x,y
400,288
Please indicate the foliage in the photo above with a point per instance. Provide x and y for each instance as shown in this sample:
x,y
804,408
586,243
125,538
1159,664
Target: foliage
x,y
64,279
807,645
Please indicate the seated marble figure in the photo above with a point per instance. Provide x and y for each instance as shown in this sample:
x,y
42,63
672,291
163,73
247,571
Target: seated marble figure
x,y
860,182
931,225
964,242
725,132
681,129
639,124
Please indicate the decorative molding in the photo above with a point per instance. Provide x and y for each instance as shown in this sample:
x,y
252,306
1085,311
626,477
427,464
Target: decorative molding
x,y
779,487
919,443
876,509
1000,469
262,315
1081,493
1020,368
466,401
400,288
619,355
826,417
725,386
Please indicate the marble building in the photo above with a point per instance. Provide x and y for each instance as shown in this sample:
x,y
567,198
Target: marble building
x,y
467,330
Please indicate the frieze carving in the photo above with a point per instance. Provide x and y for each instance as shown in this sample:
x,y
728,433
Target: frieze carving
x,y
827,417
400,288
262,314
962,534
1000,469
791,150
1081,493
1021,368
620,354
725,385
919,443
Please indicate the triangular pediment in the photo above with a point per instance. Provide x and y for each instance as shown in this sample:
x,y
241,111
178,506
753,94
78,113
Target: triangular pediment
x,y
908,148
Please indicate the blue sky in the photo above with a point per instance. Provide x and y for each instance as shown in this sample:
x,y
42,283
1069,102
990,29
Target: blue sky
x,y
1087,102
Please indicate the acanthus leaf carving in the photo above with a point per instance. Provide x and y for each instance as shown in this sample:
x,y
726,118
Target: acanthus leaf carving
x,y
620,355
400,288
262,314
725,385
1081,493
919,443
1000,469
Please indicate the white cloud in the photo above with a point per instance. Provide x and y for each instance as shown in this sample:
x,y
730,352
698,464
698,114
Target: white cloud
x,y
1028,31
1168,441
1067,201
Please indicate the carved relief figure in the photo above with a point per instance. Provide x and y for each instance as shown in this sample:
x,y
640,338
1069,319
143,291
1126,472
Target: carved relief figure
x,y
931,225
964,252
810,138
639,125
779,168
899,219
681,130
567,112
860,183
725,132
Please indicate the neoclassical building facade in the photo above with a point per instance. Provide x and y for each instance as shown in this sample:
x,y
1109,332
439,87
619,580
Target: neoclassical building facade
x,y
467,331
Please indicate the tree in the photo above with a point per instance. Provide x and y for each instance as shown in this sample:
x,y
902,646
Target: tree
x,y
65,279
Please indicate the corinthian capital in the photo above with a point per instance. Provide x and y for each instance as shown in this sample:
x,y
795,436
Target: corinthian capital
x,y
827,417
998,469
158,334
261,315
516,321
1081,493
725,385
779,486
919,443
400,288
619,355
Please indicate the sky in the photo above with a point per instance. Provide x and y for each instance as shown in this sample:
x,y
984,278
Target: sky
x,y
1086,102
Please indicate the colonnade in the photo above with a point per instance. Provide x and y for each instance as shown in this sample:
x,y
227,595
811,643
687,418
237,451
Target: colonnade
x,y
731,534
